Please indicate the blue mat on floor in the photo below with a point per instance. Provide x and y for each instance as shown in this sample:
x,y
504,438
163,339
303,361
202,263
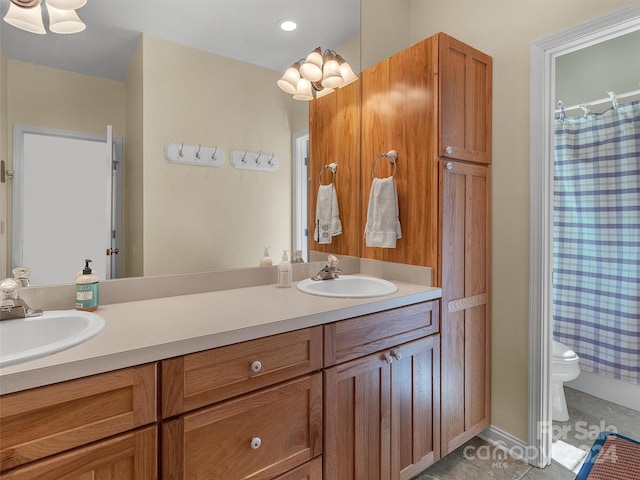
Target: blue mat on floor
x,y
593,455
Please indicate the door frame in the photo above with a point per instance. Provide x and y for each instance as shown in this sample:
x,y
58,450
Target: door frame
x,y
543,55
116,182
300,158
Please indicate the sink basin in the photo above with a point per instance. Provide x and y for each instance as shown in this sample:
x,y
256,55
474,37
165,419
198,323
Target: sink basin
x,y
24,339
348,286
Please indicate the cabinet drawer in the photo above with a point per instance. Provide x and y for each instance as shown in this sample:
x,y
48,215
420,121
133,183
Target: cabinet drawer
x,y
309,471
204,378
361,336
44,421
130,456
258,436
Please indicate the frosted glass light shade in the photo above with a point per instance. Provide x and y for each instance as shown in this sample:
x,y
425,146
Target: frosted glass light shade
x,y
289,81
66,4
311,69
304,90
347,74
29,19
64,21
331,77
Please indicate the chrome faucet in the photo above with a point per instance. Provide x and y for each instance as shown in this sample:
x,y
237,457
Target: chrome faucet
x,y
330,270
11,305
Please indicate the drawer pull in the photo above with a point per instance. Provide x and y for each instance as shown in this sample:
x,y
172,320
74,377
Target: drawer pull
x,y
256,366
396,354
255,443
388,357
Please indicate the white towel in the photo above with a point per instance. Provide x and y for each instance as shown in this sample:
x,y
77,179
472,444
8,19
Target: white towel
x,y
328,223
383,224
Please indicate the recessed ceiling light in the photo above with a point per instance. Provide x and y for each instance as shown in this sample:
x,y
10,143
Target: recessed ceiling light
x,y
287,25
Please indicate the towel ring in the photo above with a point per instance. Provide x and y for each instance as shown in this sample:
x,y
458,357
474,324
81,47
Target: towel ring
x,y
392,156
333,177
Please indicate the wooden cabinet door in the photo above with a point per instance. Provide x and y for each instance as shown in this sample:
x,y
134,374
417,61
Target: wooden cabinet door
x,y
382,413
257,436
415,407
130,456
465,84
358,420
466,322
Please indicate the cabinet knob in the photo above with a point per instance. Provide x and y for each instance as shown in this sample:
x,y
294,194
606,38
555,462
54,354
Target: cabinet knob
x,y
396,354
449,166
448,150
388,358
256,367
255,443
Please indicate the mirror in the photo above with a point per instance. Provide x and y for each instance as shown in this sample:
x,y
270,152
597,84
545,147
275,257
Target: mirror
x,y
192,72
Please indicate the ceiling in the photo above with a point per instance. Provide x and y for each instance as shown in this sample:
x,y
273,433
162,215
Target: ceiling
x,y
246,30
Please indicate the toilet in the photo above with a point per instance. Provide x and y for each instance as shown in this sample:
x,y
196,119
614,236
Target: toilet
x,y
564,368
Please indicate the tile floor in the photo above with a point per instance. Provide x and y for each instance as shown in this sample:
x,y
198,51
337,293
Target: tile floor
x,y
477,460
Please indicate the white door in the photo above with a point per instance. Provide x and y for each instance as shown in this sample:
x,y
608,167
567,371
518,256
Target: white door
x,y
62,204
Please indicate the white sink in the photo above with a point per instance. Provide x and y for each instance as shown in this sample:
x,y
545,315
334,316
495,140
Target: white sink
x,y
348,286
24,339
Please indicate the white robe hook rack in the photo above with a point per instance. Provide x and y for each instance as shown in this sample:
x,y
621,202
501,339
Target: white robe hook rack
x,y
186,154
261,161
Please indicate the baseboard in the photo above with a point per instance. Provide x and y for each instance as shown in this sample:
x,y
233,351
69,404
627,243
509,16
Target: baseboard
x,y
515,447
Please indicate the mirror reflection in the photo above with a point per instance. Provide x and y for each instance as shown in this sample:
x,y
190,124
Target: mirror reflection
x,y
196,76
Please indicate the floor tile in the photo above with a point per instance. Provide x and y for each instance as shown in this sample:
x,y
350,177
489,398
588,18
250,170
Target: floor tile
x,y
492,460
453,467
551,472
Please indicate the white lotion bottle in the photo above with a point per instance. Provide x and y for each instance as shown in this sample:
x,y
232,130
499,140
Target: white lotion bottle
x,y
284,271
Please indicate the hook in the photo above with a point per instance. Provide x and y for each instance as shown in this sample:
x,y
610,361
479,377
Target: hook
x,y
180,154
563,114
270,161
198,152
585,109
614,100
213,155
258,158
244,157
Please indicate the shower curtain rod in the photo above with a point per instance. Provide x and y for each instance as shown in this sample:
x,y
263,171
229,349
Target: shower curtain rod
x,y
612,97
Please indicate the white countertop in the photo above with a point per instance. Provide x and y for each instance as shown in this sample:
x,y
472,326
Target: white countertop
x,y
149,330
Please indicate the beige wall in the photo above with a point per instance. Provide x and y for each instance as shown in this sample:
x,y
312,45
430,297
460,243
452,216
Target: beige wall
x,y
48,97
197,98
133,235
4,190
505,30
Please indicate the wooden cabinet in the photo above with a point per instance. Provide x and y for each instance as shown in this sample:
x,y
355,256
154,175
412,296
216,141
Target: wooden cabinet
x,y
465,86
130,456
257,436
466,319
382,410
430,100
45,421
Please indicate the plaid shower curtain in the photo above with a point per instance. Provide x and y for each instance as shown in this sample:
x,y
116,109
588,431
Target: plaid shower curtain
x,y
596,269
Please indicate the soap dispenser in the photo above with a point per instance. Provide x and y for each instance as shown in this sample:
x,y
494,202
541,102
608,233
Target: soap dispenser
x,y
284,271
87,284
266,261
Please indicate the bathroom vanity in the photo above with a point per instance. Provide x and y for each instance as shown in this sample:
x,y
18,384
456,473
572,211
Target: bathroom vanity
x,y
266,400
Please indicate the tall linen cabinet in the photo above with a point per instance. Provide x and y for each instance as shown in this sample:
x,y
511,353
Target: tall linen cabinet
x,y
432,104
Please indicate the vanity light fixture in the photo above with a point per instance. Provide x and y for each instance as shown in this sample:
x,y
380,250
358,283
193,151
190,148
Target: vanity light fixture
x,y
27,15
317,75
